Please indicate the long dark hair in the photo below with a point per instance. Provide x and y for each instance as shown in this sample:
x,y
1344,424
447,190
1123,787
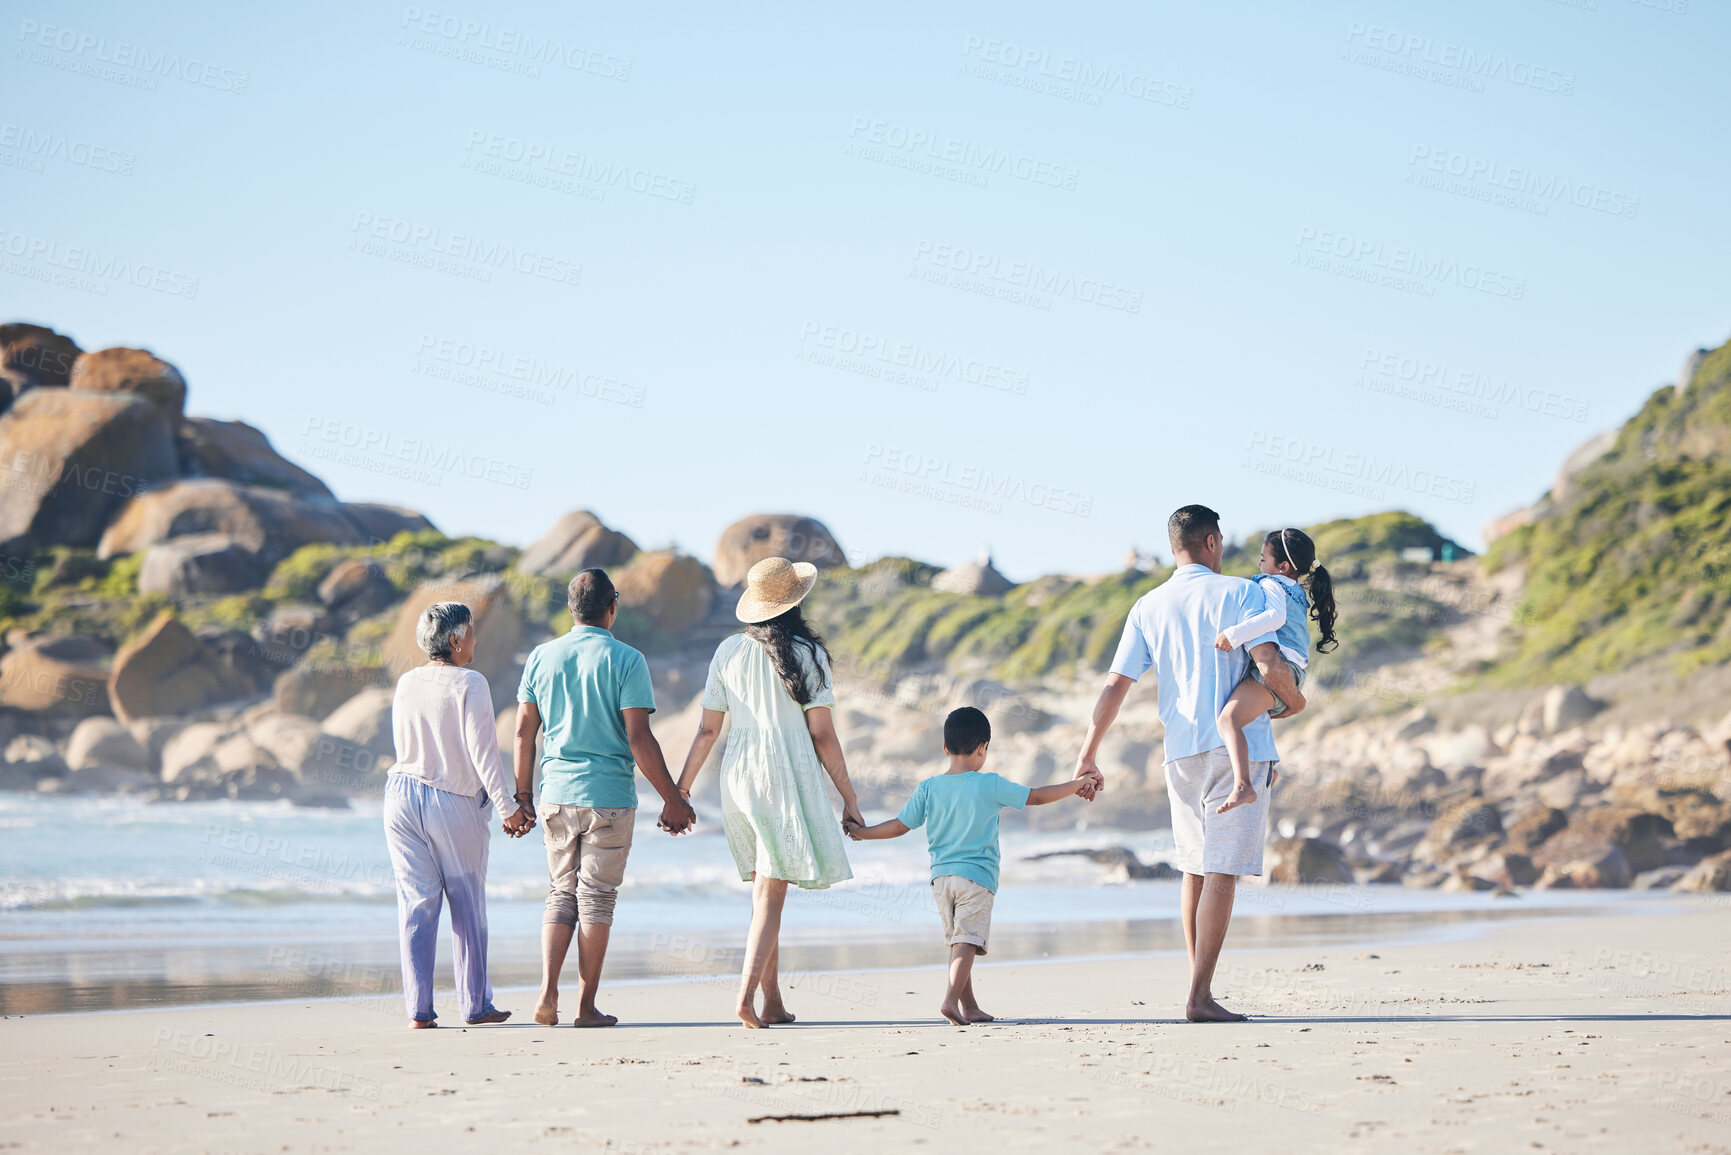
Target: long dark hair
x,y
1294,547
779,635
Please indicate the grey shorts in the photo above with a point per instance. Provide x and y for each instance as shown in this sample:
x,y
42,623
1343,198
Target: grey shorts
x,y
1208,843
1254,674
586,851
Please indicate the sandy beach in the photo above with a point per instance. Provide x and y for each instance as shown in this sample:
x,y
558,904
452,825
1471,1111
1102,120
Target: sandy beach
x,y
1571,1032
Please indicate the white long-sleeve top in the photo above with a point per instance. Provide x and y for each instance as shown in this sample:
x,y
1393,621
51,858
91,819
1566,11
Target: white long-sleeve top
x,y
443,724
1269,621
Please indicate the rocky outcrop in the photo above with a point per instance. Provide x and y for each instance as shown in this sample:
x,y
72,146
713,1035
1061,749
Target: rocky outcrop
x,y
32,357
793,536
671,590
378,524
499,630
167,669
73,459
269,523
980,578
199,563
138,372
235,451
65,676
576,542
1710,874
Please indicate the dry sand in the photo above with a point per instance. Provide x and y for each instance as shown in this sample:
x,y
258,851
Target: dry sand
x,y
1575,1033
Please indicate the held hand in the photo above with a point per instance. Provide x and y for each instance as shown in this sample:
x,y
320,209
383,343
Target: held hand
x,y
850,813
1221,642
520,823
851,828
677,817
1085,768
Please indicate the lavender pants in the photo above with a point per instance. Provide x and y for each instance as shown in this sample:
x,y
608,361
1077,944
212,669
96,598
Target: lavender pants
x,y
439,844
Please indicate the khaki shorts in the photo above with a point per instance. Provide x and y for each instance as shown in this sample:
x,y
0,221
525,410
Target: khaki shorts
x,y
586,851
1204,842
966,908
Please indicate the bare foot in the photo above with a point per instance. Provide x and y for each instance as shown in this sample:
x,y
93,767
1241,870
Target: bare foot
x,y
953,1013
547,1015
978,1016
748,1015
489,1017
593,1018
1242,795
775,1014
422,1024
1209,1011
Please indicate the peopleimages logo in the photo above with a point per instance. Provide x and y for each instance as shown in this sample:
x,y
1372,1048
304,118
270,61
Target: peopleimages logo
x,y
1543,187
1023,276
930,146
1405,52
1410,263
1361,473
82,48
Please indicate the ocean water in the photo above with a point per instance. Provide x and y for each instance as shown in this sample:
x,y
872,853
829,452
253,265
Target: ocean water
x,y
109,902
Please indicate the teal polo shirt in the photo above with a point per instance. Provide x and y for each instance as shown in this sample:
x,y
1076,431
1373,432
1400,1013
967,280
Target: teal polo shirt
x,y
960,814
580,682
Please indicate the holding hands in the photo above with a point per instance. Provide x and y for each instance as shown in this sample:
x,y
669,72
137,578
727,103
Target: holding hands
x,y
521,822
1096,781
677,816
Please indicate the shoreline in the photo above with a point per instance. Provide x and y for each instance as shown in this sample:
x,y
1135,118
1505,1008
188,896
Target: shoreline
x,y
1534,1034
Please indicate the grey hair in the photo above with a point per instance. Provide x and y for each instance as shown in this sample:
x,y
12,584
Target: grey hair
x,y
440,624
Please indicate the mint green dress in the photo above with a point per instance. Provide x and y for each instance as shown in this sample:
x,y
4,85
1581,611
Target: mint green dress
x,y
775,794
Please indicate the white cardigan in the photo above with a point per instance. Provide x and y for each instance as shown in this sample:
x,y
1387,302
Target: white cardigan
x,y
443,724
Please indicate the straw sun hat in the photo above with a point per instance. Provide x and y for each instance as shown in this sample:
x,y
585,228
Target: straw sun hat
x,y
774,586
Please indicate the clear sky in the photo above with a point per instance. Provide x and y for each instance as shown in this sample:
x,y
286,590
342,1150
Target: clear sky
x,y
1001,274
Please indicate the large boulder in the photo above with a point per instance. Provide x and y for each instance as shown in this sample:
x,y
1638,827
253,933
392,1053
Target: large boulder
x,y
315,689
576,542
189,749
793,536
357,587
316,758
498,631
135,371
235,451
1307,860
1638,836
65,676
1466,823
365,720
1533,826
33,356
671,590
1601,867
269,522
249,664
73,459
199,563
1565,707
168,669
378,524
105,742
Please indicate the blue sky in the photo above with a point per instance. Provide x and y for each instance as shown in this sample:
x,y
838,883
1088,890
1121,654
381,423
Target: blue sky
x,y
1026,277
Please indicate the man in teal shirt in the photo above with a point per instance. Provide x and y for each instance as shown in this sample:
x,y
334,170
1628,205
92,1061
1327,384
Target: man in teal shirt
x,y
588,695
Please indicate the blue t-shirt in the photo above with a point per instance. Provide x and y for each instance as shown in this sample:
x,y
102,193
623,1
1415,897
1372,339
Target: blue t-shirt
x,y
580,683
960,814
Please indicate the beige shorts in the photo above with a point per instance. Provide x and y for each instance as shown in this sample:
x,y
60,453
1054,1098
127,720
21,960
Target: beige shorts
x,y
586,851
966,908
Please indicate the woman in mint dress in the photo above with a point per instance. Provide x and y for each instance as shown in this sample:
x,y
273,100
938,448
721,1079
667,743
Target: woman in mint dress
x,y
774,680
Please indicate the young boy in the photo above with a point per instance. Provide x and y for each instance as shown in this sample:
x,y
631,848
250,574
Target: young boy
x,y
959,809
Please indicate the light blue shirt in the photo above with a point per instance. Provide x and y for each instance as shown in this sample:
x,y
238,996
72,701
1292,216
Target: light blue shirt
x,y
960,814
580,683
1171,629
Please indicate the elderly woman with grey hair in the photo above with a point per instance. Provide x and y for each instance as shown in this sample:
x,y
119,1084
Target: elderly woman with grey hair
x,y
437,798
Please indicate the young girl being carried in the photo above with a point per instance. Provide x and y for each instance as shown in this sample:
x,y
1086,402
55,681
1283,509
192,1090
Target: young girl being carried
x,y
1288,555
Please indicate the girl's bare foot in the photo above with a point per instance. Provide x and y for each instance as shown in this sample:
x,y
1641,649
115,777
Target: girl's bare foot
x,y
748,1015
422,1024
978,1016
1242,795
547,1015
953,1013
593,1018
489,1017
